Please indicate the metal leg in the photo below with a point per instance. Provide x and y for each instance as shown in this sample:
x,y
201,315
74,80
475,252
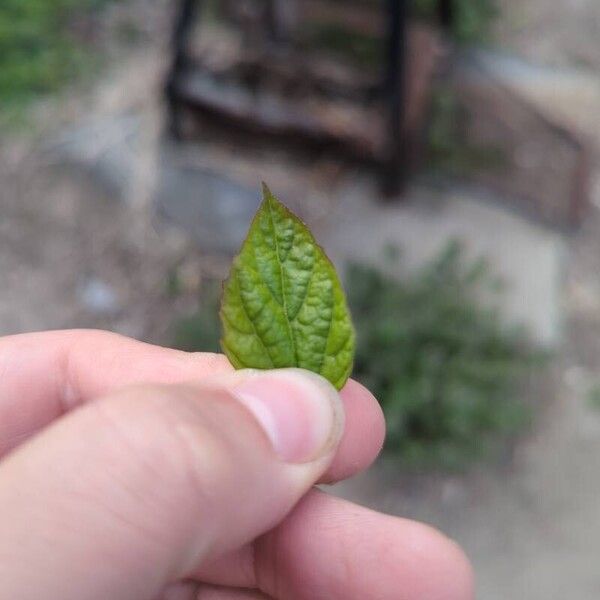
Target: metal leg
x,y
281,19
446,13
272,21
395,169
184,22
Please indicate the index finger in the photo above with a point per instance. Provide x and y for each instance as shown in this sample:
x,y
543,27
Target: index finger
x,y
44,375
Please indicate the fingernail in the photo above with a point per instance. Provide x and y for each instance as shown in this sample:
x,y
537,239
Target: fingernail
x,y
300,412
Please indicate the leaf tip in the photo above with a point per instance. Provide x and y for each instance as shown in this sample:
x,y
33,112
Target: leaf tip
x,y
266,192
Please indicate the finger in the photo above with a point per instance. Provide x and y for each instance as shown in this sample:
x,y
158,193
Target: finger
x,y
329,548
44,375
363,434
127,494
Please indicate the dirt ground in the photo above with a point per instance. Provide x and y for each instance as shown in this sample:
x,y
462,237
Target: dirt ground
x,y
72,256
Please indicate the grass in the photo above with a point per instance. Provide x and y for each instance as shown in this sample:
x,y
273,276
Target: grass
x,y
40,48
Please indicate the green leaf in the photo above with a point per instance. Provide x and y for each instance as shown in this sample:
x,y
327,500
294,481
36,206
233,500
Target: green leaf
x,y
283,304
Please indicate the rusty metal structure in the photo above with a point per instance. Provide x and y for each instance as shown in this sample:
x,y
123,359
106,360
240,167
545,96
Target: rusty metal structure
x,y
276,86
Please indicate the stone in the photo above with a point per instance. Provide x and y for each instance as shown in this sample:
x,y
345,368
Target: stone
x,y
104,148
214,209
98,297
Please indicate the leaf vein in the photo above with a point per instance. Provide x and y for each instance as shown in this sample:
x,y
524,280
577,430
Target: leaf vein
x,y
308,283
260,339
235,326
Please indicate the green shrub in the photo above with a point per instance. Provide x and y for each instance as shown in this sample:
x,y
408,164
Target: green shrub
x,y
443,365
199,331
39,51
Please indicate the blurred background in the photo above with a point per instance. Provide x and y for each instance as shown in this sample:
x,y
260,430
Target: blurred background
x,y
444,153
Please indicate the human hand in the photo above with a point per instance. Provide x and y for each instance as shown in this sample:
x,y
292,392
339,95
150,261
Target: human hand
x,y
129,471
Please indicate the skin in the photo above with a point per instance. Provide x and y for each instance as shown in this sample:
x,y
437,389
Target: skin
x,y
132,471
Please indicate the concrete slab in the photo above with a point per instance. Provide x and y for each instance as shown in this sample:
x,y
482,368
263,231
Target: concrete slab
x,y
527,257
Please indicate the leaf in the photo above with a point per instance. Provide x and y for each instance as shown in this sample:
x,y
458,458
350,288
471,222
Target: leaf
x,y
283,304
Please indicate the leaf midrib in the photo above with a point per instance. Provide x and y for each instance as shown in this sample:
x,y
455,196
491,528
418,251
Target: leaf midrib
x,y
282,280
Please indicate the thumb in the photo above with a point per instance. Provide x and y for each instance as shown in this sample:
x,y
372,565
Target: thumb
x,y
136,490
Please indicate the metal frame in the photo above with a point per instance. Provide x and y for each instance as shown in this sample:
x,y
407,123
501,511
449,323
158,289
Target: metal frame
x,y
394,171
188,11
394,88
